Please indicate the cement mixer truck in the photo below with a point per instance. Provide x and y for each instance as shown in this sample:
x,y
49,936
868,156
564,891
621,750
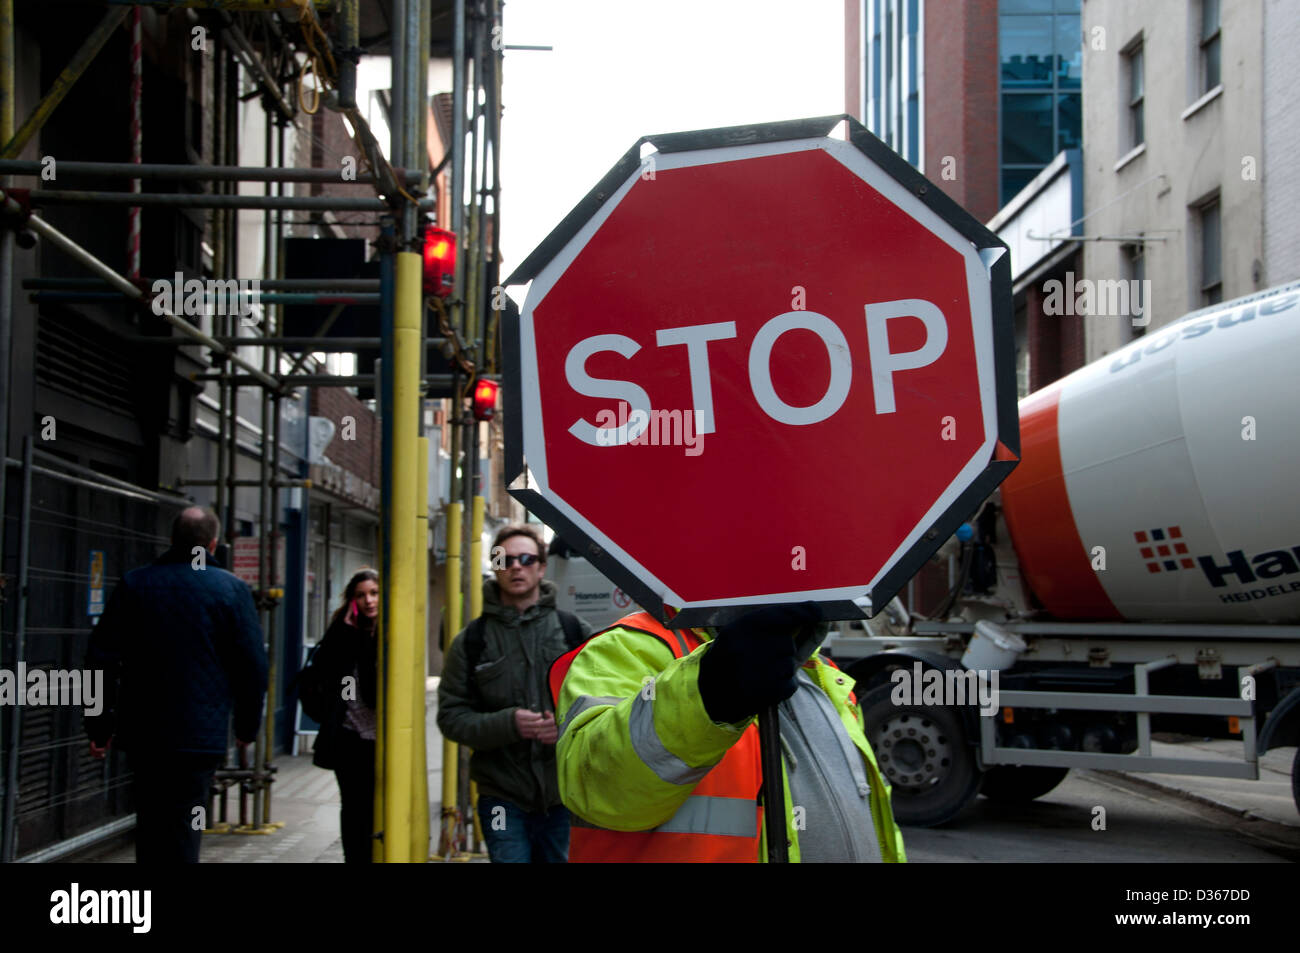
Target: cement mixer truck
x,y
1138,572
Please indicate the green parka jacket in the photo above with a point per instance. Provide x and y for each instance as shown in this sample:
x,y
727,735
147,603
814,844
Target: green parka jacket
x,y
518,649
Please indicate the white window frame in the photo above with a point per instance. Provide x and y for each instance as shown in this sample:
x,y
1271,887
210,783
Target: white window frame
x,y
1204,290
1203,43
1134,106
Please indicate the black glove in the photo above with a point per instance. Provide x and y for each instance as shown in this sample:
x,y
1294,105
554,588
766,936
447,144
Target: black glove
x,y
752,662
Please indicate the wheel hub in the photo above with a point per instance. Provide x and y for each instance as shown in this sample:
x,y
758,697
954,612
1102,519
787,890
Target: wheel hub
x,y
912,750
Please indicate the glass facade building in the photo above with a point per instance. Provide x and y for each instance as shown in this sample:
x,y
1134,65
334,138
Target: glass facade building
x,y
893,75
1038,92
1040,65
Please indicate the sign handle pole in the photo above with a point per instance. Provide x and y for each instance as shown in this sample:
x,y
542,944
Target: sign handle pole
x,y
769,743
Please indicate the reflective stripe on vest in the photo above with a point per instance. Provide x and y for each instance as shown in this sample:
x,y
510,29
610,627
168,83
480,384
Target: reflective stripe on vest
x,y
720,821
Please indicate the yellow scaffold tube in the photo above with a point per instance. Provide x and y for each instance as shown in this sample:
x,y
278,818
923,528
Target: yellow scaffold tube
x,y
401,763
450,754
475,600
420,787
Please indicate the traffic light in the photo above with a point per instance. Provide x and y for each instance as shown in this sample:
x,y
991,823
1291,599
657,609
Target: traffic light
x,y
485,399
439,261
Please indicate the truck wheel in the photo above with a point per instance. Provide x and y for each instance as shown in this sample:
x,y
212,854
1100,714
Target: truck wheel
x,y
1018,784
1295,779
922,751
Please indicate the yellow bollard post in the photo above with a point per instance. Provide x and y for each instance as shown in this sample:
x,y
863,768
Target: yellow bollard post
x,y
377,823
477,826
475,595
399,769
475,601
455,608
450,752
420,787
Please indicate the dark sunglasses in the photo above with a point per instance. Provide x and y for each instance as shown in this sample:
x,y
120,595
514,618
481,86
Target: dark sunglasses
x,y
524,559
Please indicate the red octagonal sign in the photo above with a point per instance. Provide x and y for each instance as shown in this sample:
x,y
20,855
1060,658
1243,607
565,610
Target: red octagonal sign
x,y
761,365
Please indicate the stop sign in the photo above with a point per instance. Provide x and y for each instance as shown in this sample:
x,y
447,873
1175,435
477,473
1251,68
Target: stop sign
x,y
761,365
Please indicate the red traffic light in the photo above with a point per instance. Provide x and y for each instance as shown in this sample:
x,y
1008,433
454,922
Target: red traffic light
x,y
485,399
439,261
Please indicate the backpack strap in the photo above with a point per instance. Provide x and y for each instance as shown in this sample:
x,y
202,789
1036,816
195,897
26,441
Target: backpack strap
x,y
474,640
573,636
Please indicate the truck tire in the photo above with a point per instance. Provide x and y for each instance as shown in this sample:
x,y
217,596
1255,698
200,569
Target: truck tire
x,y
923,753
1019,784
1295,779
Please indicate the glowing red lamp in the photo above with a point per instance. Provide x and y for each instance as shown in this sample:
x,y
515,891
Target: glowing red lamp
x,y
439,261
485,399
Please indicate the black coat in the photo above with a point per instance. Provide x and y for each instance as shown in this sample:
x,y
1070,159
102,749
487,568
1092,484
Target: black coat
x,y
343,651
180,648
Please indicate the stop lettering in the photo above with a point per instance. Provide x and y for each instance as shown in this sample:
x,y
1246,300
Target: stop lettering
x,y
696,338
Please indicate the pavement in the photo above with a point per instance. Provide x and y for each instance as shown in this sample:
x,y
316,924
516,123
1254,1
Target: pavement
x,y
1269,798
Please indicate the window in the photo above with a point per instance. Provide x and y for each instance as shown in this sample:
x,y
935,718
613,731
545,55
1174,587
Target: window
x,y
1134,69
1027,131
1210,45
1135,267
1211,260
1040,60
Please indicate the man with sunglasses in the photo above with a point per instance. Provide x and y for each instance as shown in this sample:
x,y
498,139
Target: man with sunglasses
x,y
494,697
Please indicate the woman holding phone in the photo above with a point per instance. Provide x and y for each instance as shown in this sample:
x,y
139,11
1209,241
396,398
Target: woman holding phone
x,y
338,690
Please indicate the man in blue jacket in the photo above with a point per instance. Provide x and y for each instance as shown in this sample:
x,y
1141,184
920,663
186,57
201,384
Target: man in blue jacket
x,y
180,647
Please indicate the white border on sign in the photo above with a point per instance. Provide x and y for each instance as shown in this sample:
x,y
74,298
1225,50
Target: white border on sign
x,y
979,296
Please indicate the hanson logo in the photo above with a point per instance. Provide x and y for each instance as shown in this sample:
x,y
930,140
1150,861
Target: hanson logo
x,y
578,594
1269,565
1164,551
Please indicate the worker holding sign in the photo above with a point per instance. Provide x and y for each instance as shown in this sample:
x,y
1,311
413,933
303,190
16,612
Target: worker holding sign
x,y
658,753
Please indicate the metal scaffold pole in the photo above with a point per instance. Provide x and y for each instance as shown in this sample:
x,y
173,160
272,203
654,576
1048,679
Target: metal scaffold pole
x,y
384,395
451,818
272,319
261,752
399,535
137,146
420,781
227,172
6,329
20,630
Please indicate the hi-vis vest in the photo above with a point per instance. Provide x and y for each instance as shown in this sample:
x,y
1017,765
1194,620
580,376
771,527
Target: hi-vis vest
x,y
721,821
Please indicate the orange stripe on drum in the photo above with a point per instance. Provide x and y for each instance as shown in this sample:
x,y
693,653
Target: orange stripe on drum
x,y
1053,560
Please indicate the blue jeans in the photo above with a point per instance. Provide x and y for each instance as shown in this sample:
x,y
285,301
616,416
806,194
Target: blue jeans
x,y
514,836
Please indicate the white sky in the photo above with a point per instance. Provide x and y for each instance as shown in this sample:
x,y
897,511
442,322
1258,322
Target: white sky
x,y
622,69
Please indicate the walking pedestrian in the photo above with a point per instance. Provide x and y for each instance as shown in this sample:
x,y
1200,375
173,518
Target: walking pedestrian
x,y
338,688
493,697
181,650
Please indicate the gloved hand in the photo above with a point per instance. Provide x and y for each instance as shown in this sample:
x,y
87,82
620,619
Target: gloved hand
x,y
752,662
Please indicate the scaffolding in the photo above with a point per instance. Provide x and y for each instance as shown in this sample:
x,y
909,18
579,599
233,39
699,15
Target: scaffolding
x,y
296,54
